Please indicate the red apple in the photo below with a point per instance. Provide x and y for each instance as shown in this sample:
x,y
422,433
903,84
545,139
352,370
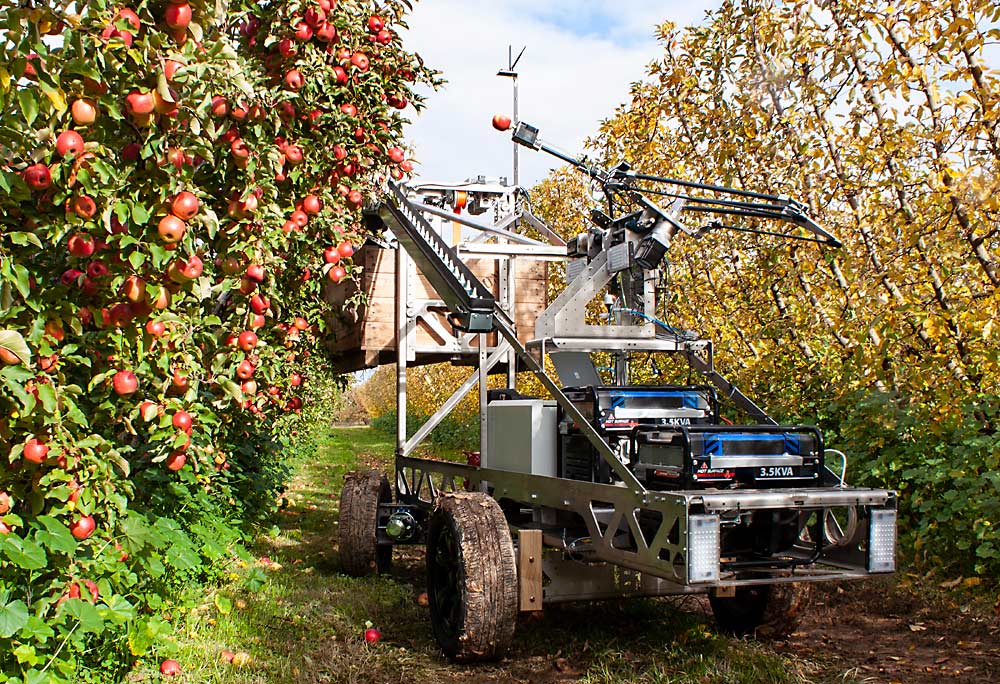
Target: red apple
x,y
247,340
134,289
294,79
125,383
345,249
85,207
175,461
170,667
337,273
396,154
501,122
293,155
255,272
372,636
331,255
69,143
81,245
84,527
182,421
375,24
177,16
245,370
311,204
35,451
299,218
327,33
84,112
139,102
171,229
219,106
185,205
303,31
38,177
155,328
259,304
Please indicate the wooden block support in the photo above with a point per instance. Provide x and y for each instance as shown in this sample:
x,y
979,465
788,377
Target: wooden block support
x,y
529,569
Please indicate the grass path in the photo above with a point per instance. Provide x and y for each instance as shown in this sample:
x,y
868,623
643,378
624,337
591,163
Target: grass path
x,y
303,621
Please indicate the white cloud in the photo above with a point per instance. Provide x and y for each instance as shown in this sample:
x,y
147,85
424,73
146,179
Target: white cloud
x,y
580,58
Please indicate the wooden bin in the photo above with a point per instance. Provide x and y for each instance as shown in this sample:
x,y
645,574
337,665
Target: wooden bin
x,y
365,336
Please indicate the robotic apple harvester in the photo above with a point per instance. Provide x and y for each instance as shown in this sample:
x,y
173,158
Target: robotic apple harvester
x,y
601,489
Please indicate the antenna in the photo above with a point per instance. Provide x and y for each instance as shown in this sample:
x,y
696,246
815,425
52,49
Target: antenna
x,y
512,75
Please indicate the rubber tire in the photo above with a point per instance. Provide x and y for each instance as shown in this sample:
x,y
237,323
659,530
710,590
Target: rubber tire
x,y
471,577
768,611
360,552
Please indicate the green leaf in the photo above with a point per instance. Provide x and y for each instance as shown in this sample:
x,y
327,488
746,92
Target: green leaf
x,y
14,343
47,395
56,535
90,619
223,604
56,96
118,609
183,557
25,553
13,617
22,280
136,259
232,389
29,108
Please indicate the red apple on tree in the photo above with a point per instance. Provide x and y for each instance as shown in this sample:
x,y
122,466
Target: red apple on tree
x,y
38,177
139,102
294,79
245,370
83,527
171,229
311,204
85,207
81,245
69,143
331,255
346,250
155,328
35,450
124,383
175,461
84,112
182,421
255,272
337,273
247,340
184,205
177,15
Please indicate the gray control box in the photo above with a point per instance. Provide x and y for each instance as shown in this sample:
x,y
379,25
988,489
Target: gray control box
x,y
521,436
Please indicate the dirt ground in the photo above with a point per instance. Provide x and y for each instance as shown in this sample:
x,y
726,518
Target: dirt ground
x,y
883,631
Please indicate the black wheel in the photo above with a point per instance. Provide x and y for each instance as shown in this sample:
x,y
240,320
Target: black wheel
x,y
360,552
471,577
766,611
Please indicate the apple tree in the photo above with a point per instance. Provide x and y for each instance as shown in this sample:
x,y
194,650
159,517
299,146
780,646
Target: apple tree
x,y
179,182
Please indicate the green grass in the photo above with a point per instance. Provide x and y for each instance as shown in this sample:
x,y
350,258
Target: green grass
x,y
304,621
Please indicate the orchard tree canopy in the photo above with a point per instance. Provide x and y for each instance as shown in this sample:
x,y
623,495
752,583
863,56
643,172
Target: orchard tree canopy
x,y
179,182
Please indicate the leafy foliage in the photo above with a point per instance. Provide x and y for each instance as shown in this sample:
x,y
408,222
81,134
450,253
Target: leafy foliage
x,y
165,191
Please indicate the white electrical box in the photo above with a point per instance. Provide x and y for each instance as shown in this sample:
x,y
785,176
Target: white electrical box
x,y
521,436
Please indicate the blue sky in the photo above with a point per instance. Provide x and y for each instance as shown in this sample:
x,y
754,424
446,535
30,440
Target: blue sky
x,y
580,57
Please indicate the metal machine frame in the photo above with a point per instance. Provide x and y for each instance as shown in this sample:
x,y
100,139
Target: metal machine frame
x,y
599,540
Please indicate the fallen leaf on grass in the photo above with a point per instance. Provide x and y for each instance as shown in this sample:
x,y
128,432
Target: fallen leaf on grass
x,y
918,627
